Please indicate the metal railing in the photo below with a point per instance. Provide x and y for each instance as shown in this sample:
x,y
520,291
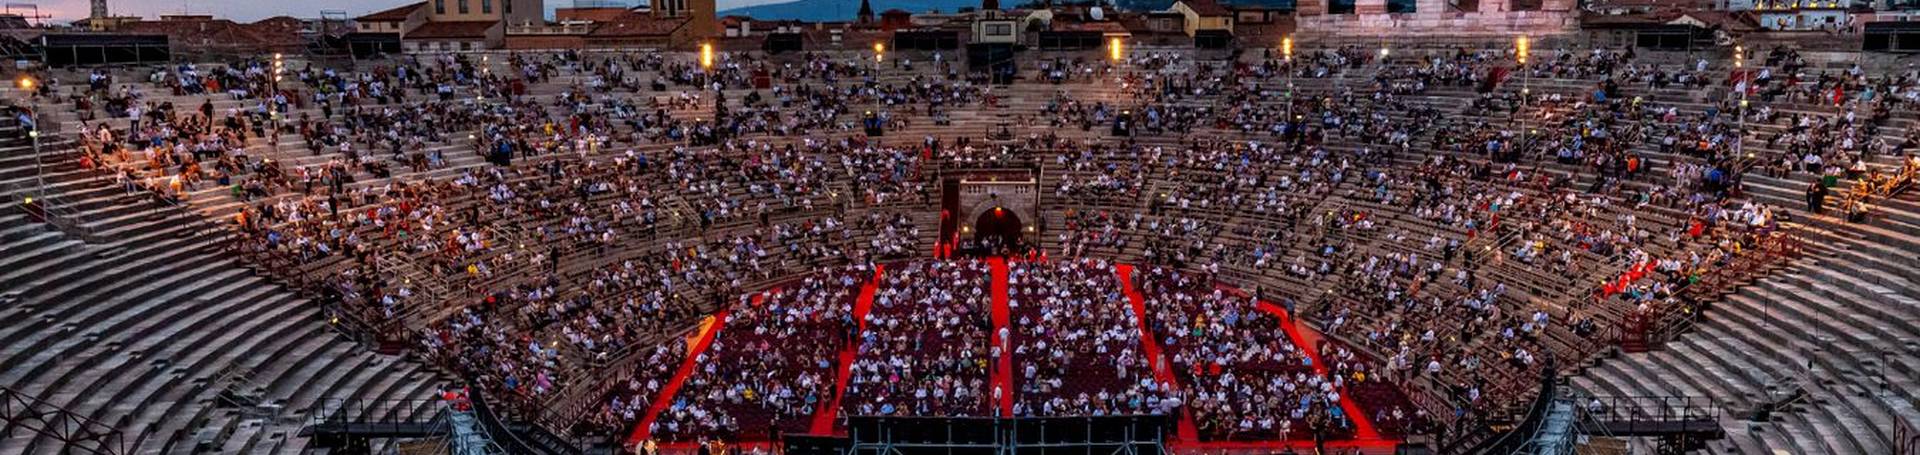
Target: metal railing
x,y
386,411
1767,251
1870,192
1906,438
1631,413
1522,431
75,432
533,439
56,211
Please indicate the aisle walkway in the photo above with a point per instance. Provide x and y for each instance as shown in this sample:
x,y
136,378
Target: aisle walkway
x,y
823,418
1003,362
697,344
1307,340
1187,430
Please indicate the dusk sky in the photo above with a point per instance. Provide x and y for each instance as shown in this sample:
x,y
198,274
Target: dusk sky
x,y
251,10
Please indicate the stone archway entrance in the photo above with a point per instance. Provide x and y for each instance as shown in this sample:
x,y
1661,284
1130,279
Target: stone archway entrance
x,y
994,213
998,228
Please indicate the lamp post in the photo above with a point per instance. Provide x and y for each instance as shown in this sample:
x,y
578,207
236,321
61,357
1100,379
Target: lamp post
x,y
1522,50
273,108
1286,52
27,84
1117,54
706,56
1740,131
706,69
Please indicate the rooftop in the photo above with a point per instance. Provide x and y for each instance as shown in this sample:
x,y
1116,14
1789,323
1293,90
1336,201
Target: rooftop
x,y
1207,7
396,14
454,29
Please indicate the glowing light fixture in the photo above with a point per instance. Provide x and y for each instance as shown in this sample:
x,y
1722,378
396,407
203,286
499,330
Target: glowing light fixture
x,y
1523,48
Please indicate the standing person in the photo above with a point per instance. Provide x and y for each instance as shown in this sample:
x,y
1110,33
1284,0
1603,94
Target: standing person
x,y
1816,197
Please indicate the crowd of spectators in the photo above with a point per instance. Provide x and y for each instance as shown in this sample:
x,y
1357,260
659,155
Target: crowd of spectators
x,y
1076,344
775,368
1454,227
925,350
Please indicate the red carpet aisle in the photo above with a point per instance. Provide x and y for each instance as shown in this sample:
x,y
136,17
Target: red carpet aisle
x,y
824,417
1363,430
708,331
1003,366
1187,431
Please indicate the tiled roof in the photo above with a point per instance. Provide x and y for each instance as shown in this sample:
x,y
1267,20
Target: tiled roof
x,y
1114,28
591,14
1737,22
392,15
451,29
1207,7
634,25
270,33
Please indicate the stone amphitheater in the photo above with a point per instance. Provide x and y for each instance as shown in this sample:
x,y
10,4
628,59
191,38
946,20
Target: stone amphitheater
x,y
140,312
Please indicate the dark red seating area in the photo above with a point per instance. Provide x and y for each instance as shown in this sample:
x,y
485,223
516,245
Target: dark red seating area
x,y
629,400
1245,380
925,349
1386,405
1076,344
775,366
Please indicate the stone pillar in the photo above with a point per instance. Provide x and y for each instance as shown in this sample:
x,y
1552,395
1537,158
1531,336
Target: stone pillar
x,y
1493,6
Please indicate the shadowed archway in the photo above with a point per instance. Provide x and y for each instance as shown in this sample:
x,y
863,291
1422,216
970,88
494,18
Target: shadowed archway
x,y
998,227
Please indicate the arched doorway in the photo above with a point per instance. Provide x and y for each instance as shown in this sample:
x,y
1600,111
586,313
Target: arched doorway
x,y
997,228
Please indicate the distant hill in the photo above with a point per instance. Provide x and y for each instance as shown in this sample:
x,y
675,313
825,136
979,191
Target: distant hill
x,y
845,10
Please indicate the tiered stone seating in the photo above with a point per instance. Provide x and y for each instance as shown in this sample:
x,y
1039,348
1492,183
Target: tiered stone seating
x,y
181,345
178,346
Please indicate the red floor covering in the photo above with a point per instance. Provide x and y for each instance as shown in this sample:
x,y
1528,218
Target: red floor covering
x,y
1003,365
704,339
1306,339
1187,430
823,418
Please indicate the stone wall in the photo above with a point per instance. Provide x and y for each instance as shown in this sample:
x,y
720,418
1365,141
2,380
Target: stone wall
x,y
1021,198
1437,18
